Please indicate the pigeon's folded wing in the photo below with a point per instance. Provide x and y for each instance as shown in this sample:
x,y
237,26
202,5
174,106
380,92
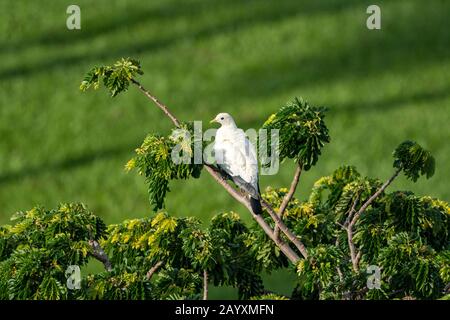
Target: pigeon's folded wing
x,y
239,158
231,159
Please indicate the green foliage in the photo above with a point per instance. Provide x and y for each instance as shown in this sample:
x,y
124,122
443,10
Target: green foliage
x,y
406,236
318,272
302,132
38,248
400,232
413,160
419,216
185,251
310,222
345,186
155,160
115,78
115,286
410,265
147,241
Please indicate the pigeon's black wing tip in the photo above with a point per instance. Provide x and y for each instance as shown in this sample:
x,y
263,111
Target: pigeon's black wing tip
x,y
255,204
247,187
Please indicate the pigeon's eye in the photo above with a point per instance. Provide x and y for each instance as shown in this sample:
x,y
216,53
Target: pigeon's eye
x,y
221,118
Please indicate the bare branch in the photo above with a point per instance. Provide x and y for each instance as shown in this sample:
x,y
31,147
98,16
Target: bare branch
x,y
205,285
356,256
338,269
292,237
351,245
374,196
341,276
99,254
288,197
153,269
351,212
158,103
223,182
341,225
352,248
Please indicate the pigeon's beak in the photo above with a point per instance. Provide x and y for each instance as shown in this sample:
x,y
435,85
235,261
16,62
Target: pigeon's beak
x,y
213,120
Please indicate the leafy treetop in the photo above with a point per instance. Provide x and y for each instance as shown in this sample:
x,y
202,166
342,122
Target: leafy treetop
x,y
413,160
302,132
116,78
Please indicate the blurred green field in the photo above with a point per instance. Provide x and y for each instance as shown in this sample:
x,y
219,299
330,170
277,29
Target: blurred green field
x,y
202,57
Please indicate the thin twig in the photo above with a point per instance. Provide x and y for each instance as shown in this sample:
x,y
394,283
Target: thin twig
x,y
341,276
99,254
158,103
351,212
341,225
338,269
205,285
287,198
153,269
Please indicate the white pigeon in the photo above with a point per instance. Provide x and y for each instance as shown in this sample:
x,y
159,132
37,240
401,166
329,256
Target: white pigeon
x,y
236,156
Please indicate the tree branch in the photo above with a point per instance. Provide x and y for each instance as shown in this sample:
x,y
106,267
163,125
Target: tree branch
x,y
205,285
338,269
374,196
153,269
341,276
356,256
351,212
285,248
157,102
99,254
287,198
352,248
291,236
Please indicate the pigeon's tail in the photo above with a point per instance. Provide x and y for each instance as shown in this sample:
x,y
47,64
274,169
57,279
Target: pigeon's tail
x,y
255,204
253,193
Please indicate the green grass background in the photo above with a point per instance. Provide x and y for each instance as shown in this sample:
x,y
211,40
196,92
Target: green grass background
x,y
203,57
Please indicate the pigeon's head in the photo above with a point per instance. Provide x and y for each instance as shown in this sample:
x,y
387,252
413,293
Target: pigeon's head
x,y
224,119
